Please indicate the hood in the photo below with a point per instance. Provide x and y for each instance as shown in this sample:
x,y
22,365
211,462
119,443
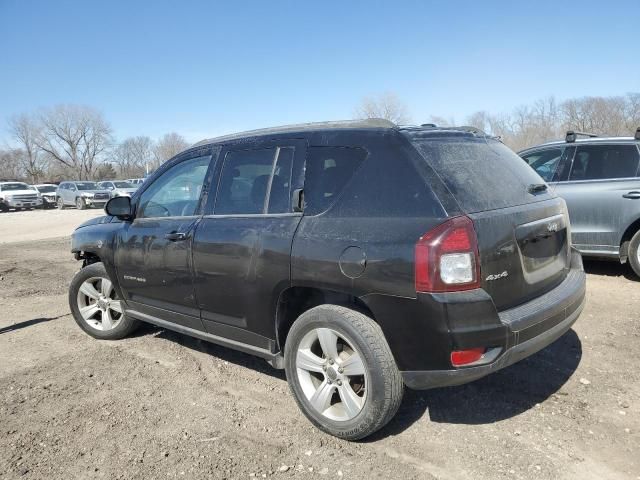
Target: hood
x,y
126,190
96,221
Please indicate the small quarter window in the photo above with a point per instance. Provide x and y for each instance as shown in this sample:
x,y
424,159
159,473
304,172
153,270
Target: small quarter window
x,y
328,170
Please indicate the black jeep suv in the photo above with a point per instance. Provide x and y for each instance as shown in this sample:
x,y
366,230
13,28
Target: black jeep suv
x,y
358,256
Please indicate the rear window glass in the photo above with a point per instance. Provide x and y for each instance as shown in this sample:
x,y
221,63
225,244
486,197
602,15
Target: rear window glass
x,y
481,173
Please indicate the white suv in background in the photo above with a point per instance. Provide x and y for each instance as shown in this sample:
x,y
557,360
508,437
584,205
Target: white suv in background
x,y
48,194
18,195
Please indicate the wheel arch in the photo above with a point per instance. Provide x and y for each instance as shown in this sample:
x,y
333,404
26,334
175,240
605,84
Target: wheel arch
x,y
294,301
626,239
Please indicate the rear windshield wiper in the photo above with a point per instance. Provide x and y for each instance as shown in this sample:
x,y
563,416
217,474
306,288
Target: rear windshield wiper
x,y
537,187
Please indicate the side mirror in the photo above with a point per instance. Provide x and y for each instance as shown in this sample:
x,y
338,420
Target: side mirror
x,y
119,207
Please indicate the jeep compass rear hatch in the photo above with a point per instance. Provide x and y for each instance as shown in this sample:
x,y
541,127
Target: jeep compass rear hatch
x,y
522,227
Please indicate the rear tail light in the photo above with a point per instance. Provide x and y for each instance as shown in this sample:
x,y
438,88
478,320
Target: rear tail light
x,y
446,258
465,357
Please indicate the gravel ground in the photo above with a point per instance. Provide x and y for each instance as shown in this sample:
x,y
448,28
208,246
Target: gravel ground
x,y
161,405
42,224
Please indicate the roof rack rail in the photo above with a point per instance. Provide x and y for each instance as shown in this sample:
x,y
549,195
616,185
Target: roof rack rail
x,y
470,129
571,136
637,135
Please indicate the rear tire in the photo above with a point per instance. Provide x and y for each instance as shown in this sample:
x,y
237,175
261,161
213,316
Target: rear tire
x,y
96,307
80,203
634,253
352,392
60,203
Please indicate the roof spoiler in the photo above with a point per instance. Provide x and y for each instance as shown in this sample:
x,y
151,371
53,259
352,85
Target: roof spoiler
x,y
571,136
637,135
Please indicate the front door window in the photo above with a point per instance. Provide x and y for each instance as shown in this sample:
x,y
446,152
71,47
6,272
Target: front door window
x,y
176,193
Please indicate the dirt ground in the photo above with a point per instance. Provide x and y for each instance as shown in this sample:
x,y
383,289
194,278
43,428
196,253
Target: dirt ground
x,y
161,405
41,224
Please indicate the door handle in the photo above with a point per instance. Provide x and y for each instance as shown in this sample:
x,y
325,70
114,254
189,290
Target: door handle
x,y
176,236
633,195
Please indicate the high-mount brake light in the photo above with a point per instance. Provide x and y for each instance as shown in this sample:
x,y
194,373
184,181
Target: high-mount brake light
x,y
447,259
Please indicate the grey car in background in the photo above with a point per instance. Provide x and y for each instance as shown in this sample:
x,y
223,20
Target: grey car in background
x,y
599,178
118,188
81,195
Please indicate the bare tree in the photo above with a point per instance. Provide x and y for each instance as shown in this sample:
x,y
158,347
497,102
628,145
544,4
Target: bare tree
x,y
133,156
547,120
441,121
25,130
74,136
593,114
11,162
168,146
632,111
105,172
386,105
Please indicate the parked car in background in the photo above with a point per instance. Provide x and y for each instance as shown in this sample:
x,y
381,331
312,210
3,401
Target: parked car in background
x,y
599,178
118,188
81,195
18,196
136,181
359,256
48,193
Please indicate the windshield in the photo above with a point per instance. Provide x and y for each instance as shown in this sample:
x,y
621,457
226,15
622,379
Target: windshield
x,y
7,187
46,188
124,185
87,186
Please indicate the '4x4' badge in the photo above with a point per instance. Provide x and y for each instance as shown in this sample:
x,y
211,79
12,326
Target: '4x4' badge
x,y
497,276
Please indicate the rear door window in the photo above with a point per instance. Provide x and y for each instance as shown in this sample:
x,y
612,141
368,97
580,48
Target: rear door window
x,y
599,162
481,173
328,170
255,182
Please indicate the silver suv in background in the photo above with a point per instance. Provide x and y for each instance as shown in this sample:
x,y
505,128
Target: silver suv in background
x,y
599,178
81,195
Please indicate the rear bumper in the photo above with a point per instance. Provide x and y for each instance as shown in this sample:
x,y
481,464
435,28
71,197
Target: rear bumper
x,y
521,332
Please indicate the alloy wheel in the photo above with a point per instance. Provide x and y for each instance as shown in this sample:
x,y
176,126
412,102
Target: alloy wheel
x,y
331,374
98,304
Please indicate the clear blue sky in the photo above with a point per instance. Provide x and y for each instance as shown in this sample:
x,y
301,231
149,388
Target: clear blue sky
x,y
206,68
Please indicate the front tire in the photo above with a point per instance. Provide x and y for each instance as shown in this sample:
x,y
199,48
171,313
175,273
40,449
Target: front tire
x,y
80,203
341,372
634,253
95,305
